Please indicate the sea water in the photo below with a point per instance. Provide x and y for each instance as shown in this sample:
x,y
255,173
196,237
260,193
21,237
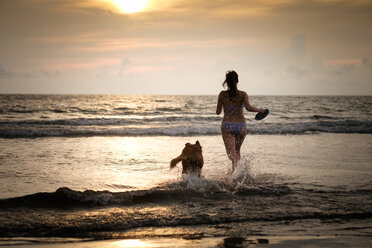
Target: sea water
x,y
97,166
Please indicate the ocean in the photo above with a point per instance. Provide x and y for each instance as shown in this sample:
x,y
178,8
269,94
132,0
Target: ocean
x,y
79,168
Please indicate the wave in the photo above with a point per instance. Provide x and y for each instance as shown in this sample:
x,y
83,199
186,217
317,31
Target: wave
x,y
123,109
67,198
111,121
30,132
168,109
174,126
190,186
75,110
345,126
102,110
323,117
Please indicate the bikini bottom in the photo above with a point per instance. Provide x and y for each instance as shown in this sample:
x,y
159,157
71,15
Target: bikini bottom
x,y
234,127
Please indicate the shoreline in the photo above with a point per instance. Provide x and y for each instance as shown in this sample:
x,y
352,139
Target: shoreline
x,y
292,233
221,241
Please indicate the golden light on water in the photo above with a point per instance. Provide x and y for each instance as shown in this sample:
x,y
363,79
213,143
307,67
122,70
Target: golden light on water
x,y
132,243
130,6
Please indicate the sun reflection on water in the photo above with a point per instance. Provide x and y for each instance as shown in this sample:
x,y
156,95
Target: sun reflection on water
x,y
131,243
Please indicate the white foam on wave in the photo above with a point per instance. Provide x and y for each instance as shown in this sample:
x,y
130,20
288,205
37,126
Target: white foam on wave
x,y
102,198
124,127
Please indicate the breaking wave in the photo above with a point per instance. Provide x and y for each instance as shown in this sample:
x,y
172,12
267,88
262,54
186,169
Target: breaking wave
x,y
173,126
190,187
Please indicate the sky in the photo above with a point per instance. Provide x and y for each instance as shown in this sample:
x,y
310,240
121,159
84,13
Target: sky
x,y
281,47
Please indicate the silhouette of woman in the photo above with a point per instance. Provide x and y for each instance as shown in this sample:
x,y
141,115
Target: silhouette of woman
x,y
233,125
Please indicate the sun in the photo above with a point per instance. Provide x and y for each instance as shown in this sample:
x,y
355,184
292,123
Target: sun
x,y
130,6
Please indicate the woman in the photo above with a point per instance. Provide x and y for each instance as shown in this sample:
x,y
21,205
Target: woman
x,y
233,125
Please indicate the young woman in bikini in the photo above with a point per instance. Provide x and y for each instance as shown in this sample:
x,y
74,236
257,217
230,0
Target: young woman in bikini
x,y
233,125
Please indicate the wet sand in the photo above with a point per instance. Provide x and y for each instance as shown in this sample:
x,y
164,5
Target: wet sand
x,y
252,241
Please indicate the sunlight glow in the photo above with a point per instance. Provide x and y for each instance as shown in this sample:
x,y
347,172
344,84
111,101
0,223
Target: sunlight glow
x,y
132,243
130,6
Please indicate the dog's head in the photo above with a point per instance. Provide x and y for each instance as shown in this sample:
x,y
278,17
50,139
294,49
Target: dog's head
x,y
192,149
195,147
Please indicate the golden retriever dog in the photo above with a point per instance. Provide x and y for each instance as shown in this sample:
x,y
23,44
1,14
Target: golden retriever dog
x,y
191,157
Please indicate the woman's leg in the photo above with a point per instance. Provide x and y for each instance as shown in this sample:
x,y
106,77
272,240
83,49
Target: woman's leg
x,y
239,138
229,141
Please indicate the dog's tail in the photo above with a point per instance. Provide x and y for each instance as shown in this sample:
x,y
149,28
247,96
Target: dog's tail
x,y
175,161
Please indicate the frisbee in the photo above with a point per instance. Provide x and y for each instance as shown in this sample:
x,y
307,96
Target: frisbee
x,y
260,116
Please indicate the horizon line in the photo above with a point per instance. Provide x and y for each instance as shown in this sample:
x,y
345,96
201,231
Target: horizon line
x,y
135,94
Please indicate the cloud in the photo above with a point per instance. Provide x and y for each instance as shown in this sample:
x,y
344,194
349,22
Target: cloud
x,y
296,71
6,73
47,73
28,75
365,61
297,47
316,64
124,65
345,69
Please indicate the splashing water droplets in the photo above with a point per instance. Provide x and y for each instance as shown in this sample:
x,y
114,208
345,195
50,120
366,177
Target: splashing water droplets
x,y
242,179
245,173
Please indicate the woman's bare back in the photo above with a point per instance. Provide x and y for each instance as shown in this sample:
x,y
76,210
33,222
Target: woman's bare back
x,y
233,108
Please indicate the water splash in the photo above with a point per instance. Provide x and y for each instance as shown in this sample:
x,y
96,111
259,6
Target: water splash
x,y
244,175
242,179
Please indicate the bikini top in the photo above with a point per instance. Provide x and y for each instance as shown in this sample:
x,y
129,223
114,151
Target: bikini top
x,y
232,108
